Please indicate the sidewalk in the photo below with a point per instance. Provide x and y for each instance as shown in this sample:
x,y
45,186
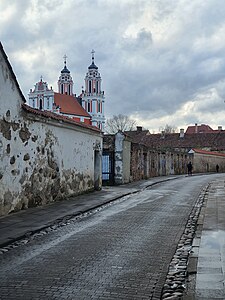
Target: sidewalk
x,y
15,226
209,248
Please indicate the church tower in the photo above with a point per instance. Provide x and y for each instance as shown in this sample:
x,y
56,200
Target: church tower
x,y
42,97
65,82
93,97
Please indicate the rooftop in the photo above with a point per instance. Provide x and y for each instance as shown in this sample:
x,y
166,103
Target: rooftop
x,y
213,140
54,116
69,105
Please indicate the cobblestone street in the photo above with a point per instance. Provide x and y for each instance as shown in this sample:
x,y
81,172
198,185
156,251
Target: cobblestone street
x,y
120,252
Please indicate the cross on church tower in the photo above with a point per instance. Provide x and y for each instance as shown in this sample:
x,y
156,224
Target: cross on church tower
x,y
65,82
93,52
65,57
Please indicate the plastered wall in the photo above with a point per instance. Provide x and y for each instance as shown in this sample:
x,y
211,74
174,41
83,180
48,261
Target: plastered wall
x,y
207,163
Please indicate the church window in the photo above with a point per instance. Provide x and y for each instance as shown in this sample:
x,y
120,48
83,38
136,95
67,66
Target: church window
x,y
33,103
89,107
99,106
48,105
69,89
89,86
62,89
40,104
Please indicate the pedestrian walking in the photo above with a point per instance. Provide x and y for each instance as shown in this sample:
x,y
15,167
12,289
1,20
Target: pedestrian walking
x,y
189,167
217,168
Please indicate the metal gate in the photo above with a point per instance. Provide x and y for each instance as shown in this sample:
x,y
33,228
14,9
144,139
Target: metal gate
x,y
108,168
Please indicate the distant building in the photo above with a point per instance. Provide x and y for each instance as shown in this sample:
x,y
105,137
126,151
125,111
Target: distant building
x,y
209,139
199,129
87,108
203,128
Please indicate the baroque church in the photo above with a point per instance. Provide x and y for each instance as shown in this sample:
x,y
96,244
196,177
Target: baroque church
x,y
87,108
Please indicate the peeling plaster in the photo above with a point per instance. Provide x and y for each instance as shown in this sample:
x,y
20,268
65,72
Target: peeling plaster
x,y
24,133
34,138
8,148
5,129
12,160
26,157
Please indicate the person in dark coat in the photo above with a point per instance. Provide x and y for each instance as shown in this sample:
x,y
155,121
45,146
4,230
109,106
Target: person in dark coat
x,y
189,167
217,168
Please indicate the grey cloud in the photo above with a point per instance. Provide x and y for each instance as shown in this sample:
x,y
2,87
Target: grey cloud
x,y
140,73
141,43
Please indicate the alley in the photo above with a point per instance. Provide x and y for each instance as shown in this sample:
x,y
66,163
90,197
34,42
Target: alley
x,y
120,252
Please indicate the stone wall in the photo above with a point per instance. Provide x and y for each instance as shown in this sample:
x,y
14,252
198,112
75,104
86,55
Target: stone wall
x,y
207,163
135,161
146,163
42,158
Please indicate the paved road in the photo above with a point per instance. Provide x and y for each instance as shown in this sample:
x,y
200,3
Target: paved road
x,y
121,252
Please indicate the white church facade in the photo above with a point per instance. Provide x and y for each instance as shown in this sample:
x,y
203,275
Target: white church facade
x,y
87,108
93,98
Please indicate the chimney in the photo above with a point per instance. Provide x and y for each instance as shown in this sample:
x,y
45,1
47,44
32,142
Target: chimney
x,y
139,128
181,133
196,128
220,128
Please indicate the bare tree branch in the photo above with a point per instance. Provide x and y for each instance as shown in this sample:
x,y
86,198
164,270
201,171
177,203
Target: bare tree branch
x,y
168,129
119,123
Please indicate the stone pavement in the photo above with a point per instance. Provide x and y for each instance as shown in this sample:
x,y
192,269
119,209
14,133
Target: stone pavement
x,y
207,267
17,225
207,261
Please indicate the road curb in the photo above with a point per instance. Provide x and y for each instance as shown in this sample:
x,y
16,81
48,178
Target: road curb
x,y
183,263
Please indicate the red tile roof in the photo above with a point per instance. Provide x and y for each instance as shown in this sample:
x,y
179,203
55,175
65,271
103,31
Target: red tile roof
x,y
69,105
54,116
208,152
199,129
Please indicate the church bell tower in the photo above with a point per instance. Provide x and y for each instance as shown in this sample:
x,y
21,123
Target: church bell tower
x,y
93,98
65,82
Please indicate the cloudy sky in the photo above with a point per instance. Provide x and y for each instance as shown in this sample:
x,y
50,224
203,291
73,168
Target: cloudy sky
x,y
161,61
